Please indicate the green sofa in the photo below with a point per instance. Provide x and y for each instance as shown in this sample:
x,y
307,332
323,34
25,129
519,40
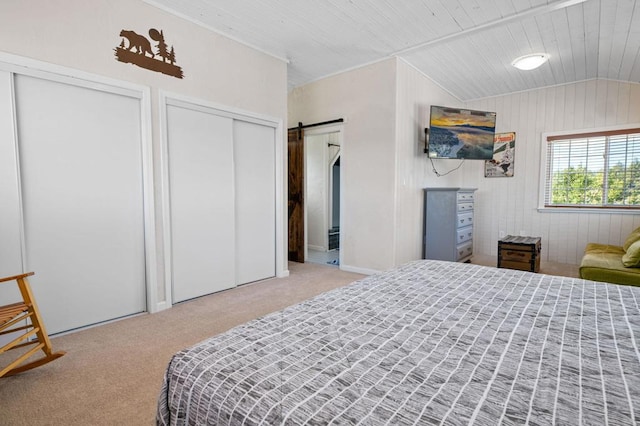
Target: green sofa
x,y
614,264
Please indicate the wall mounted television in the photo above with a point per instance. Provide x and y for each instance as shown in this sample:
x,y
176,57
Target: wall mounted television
x,y
461,133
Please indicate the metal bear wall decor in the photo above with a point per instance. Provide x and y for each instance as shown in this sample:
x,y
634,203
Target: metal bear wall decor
x,y
144,56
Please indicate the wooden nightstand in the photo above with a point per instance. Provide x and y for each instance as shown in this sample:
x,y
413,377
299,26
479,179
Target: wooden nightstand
x,y
521,253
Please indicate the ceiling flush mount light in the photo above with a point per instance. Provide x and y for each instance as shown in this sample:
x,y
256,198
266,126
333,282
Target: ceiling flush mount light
x,y
529,62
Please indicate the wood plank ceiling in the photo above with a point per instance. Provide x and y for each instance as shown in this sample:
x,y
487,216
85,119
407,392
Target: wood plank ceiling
x,y
466,46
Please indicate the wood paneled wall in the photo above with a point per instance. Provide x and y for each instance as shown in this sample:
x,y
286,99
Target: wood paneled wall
x,y
509,205
415,93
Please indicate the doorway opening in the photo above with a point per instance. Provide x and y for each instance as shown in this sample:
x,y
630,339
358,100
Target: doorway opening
x,y
322,171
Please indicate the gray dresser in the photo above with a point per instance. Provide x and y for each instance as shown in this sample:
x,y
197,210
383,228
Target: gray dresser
x,y
448,224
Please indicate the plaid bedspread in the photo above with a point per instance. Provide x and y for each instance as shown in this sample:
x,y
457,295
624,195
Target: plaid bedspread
x,y
430,342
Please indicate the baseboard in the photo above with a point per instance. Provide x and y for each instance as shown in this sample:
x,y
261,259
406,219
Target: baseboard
x,y
160,306
282,274
358,270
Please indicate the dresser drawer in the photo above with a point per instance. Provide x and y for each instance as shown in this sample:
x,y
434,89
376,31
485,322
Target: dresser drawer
x,y
465,197
464,234
465,207
465,219
464,250
447,231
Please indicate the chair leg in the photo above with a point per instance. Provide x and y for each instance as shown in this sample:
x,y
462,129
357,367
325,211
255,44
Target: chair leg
x,y
27,296
37,363
42,343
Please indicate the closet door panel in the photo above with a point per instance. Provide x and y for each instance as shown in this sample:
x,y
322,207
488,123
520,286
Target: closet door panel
x,y
10,247
200,156
81,172
254,151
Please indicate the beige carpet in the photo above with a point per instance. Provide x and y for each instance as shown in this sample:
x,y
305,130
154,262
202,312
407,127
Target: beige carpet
x,y
111,374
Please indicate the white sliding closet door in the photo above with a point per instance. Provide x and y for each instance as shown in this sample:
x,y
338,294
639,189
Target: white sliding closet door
x,y
200,157
10,245
82,193
254,153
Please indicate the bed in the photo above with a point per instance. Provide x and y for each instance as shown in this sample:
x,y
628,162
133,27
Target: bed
x,y
429,342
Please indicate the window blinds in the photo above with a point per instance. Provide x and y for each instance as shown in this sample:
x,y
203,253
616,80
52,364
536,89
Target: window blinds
x,y
593,170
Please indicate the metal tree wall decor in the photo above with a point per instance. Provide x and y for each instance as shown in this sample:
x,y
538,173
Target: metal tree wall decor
x,y
163,60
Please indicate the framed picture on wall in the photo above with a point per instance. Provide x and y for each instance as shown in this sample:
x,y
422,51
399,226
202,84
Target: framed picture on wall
x,y
502,163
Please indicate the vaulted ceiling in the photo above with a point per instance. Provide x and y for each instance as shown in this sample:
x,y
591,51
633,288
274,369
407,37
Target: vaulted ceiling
x,y
465,46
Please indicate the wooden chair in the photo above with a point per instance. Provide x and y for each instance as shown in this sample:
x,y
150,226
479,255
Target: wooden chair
x,y
24,316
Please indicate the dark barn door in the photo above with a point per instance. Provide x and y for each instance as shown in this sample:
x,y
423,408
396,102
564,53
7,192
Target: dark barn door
x,y
296,195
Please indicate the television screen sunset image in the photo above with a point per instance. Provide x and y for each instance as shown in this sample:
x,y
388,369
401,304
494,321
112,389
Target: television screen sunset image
x,y
461,133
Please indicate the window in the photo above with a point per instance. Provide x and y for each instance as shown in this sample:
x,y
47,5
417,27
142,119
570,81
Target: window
x,y
594,170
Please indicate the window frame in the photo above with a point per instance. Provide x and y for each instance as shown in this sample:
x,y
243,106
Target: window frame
x,y
547,137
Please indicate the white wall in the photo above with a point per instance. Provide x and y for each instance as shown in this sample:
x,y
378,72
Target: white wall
x,y
383,165
509,205
365,98
383,205
416,93
82,35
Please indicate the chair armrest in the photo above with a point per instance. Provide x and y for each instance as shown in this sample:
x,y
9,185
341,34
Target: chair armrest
x,y
16,277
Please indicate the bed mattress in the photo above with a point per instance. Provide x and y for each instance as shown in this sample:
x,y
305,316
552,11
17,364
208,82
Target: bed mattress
x,y
427,343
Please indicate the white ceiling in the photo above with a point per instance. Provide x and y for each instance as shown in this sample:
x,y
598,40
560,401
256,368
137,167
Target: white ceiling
x,y
466,46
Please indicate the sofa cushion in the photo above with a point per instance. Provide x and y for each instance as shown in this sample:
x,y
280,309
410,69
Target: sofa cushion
x,y
631,238
632,257
595,248
602,262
